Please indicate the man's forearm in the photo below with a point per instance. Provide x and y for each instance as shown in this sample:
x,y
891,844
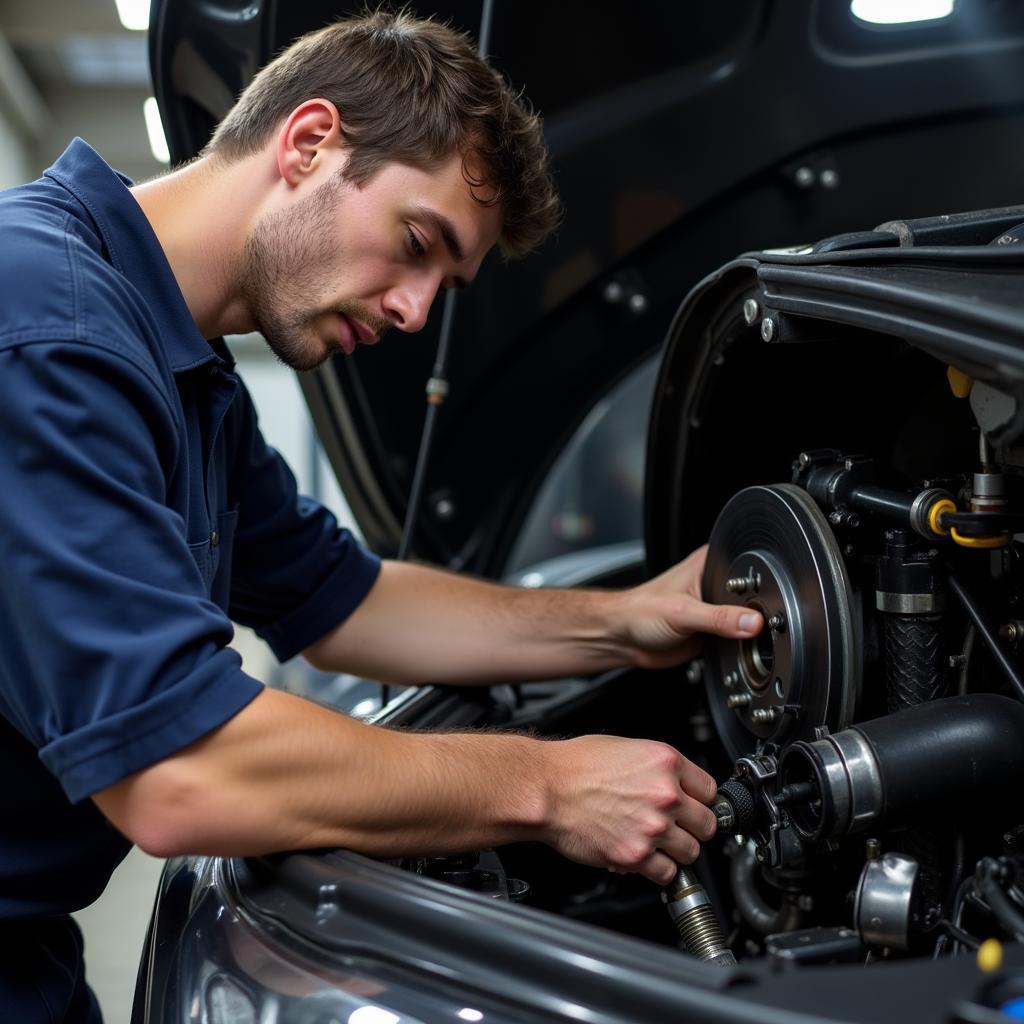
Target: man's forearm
x,y
420,624
285,773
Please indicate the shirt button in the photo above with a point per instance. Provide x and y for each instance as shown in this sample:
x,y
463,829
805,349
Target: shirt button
x,y
214,539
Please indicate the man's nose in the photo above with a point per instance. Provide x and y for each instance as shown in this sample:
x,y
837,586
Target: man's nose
x,y
410,304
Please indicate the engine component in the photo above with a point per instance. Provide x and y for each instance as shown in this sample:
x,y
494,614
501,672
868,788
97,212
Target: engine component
x,y
911,595
694,917
886,908
963,752
771,549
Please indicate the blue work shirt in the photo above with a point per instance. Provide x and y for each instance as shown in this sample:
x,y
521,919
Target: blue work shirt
x,y
140,512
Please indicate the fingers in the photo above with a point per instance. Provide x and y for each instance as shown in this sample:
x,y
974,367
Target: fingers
x,y
659,867
728,620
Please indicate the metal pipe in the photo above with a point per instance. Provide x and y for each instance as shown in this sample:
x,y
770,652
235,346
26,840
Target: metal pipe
x,y
996,647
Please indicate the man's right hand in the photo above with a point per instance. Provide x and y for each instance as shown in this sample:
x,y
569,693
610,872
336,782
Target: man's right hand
x,y
628,805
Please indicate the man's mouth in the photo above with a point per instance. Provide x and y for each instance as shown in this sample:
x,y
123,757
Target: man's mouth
x,y
353,333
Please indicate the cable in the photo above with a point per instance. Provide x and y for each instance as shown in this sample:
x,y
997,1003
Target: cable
x,y
437,385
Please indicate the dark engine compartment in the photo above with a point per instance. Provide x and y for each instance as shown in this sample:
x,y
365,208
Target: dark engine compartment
x,y
862,490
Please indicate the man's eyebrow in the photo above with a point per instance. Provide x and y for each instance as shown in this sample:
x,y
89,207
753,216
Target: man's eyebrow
x,y
446,230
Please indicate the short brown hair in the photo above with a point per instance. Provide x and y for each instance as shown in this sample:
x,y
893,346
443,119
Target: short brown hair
x,y
411,91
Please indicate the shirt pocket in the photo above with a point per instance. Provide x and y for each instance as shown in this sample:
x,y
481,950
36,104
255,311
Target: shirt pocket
x,y
213,558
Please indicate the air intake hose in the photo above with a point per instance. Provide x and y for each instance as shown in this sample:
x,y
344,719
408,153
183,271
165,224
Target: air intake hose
x,y
965,753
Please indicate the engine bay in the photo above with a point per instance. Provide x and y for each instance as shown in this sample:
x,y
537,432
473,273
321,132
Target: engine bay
x,y
861,487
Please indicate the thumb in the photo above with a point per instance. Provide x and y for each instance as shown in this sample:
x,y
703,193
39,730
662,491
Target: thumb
x,y
728,620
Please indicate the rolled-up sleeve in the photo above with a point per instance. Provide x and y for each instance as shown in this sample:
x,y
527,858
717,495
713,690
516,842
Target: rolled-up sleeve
x,y
114,657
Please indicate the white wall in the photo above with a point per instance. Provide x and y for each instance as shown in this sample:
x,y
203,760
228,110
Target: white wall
x,y
16,164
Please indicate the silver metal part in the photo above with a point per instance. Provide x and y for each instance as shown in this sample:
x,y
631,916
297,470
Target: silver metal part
x,y
883,910
853,782
909,604
694,917
767,329
772,551
921,507
751,311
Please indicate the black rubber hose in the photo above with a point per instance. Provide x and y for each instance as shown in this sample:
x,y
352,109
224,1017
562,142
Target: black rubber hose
x,y
1003,908
965,752
998,650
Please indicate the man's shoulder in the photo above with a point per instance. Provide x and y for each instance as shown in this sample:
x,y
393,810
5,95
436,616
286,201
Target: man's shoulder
x,y
56,283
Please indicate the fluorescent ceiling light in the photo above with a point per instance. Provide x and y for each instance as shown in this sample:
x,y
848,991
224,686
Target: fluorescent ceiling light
x,y
155,130
134,14
901,12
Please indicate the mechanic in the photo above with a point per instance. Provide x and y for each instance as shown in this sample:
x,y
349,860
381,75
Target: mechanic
x,y
370,165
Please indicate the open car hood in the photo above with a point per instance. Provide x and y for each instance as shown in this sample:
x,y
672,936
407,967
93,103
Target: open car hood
x,y
680,136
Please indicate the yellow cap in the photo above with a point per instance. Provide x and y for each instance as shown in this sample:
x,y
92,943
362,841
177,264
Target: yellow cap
x,y
990,956
959,383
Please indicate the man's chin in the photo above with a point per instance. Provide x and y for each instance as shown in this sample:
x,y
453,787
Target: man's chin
x,y
301,355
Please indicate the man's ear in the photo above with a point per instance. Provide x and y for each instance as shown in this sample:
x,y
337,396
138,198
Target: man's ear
x,y
311,130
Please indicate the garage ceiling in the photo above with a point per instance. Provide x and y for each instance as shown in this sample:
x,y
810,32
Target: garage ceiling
x,y
90,74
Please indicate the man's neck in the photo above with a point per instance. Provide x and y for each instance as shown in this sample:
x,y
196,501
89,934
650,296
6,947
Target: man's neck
x,y
201,214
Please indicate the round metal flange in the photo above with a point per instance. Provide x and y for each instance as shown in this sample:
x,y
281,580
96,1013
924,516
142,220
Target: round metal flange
x,y
772,549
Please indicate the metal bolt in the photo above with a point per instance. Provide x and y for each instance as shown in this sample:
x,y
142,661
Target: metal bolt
x,y
637,303
872,849
852,520
695,671
1012,631
738,700
777,623
764,716
613,291
956,660
761,854
737,585
444,508
803,460
805,902
767,329
829,178
751,311
731,680
847,464
804,177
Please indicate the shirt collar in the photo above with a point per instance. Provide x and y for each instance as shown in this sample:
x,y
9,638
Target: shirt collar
x,y
133,249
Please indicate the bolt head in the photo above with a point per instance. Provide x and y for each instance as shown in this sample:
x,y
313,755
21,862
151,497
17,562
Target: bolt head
x,y
803,460
767,329
444,509
613,292
637,303
804,177
777,622
829,178
751,311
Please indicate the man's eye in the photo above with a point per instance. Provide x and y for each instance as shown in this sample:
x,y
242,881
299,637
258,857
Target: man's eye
x,y
415,244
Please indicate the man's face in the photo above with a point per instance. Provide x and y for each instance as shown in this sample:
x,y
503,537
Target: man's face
x,y
337,268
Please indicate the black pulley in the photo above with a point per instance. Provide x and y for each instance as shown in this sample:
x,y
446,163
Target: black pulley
x,y
772,549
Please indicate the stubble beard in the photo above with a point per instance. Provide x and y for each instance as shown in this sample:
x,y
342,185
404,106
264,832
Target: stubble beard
x,y
290,253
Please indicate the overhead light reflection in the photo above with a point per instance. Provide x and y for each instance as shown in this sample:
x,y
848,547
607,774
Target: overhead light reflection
x,y
471,1015
134,14
155,130
373,1015
900,12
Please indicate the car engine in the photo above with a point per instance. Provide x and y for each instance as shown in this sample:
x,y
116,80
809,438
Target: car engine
x,y
875,753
